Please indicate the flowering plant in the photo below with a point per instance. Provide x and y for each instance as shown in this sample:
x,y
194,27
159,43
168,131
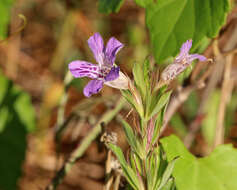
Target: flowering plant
x,y
146,166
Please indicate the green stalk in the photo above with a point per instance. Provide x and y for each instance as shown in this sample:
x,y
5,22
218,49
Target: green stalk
x,y
106,118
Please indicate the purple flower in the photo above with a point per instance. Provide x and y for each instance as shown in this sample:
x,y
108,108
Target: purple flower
x,y
181,62
105,72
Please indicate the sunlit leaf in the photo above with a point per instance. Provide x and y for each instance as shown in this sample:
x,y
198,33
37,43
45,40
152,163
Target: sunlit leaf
x,y
172,22
217,171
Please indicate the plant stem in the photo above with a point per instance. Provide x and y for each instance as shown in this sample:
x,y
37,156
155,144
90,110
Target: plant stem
x,y
106,118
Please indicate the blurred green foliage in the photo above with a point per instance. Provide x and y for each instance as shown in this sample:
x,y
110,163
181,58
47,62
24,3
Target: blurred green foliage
x,y
191,106
5,7
108,6
217,171
210,119
231,109
178,125
17,119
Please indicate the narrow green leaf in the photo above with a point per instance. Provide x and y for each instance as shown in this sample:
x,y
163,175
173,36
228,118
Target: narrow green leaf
x,y
163,100
127,170
167,173
110,6
138,74
154,166
146,70
158,124
128,96
170,185
129,134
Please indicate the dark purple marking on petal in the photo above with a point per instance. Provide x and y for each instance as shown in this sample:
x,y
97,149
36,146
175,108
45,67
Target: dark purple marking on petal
x,y
84,69
113,74
112,48
96,45
93,87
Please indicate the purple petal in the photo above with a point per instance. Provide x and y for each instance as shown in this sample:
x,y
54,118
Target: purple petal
x,y
186,46
112,48
84,69
113,74
184,50
93,87
96,45
197,56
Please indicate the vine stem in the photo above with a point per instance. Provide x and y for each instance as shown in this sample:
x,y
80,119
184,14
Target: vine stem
x,y
78,152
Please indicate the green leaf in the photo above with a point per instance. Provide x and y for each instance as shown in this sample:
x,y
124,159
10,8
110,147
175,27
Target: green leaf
x,y
129,97
162,101
127,170
146,70
109,6
158,125
170,185
172,22
129,134
17,119
138,73
143,3
217,171
153,168
167,174
5,10
210,119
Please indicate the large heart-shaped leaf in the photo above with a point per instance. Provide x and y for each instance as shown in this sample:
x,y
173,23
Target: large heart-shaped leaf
x,y
217,171
17,118
172,22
